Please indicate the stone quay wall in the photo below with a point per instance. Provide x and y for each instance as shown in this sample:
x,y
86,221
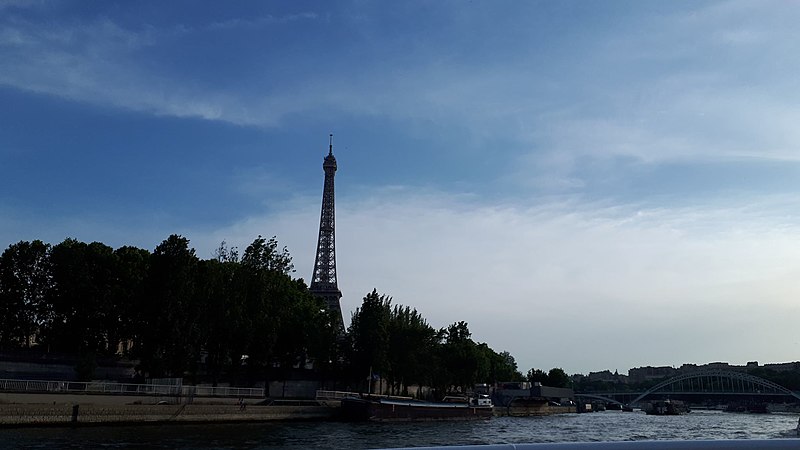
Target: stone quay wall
x,y
94,409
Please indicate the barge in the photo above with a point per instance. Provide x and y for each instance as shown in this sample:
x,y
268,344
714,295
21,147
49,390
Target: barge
x,y
379,409
666,408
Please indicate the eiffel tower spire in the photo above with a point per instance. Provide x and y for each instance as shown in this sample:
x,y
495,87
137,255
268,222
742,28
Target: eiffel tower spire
x,y
323,282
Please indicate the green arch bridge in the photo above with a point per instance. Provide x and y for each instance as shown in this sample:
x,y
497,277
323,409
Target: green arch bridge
x,y
704,383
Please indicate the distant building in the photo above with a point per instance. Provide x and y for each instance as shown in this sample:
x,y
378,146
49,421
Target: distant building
x,y
784,367
719,365
649,373
778,367
607,377
713,365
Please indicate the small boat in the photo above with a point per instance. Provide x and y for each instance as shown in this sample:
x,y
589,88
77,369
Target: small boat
x,y
666,408
381,409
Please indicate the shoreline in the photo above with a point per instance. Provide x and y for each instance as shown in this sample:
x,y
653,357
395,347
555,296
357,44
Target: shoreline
x,y
25,410
17,416
70,410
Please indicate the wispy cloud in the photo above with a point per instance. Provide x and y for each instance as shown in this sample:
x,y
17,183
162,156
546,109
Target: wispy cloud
x,y
687,110
556,283
559,273
547,270
263,21
96,63
21,4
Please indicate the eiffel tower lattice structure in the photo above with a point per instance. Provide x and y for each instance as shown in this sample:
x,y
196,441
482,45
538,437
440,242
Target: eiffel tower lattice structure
x,y
323,282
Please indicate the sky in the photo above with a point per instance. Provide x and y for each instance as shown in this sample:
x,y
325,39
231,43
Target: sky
x,y
589,185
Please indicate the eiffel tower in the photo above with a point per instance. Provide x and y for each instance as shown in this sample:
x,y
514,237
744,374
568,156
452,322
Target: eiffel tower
x,y
323,282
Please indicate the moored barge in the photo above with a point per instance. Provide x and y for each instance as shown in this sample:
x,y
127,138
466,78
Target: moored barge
x,y
380,409
666,408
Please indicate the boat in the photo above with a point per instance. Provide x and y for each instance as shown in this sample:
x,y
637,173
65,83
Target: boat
x,y
666,408
382,409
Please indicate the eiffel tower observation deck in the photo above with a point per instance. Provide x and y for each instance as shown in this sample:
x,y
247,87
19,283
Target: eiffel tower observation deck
x,y
323,282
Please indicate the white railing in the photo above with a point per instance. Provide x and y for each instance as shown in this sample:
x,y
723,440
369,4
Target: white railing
x,y
335,395
223,391
81,387
338,395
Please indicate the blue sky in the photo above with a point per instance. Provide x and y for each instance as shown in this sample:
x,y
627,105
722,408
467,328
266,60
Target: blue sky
x,y
591,185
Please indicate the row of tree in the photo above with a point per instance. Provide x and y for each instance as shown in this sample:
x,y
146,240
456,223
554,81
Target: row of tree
x,y
167,308
226,318
397,343
556,377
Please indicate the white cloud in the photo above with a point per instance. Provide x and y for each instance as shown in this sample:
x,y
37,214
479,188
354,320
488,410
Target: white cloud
x,y
567,284
583,286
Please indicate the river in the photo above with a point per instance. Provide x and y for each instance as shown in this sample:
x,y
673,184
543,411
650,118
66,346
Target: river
x,y
601,426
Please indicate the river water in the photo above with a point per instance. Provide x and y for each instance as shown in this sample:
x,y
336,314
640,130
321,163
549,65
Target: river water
x,y
601,426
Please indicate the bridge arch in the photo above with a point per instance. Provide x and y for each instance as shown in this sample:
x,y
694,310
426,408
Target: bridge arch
x,y
737,382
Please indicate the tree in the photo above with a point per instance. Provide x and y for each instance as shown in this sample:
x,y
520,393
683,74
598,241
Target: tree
x,y
224,254
318,327
220,314
304,320
369,335
264,296
461,356
81,298
264,254
170,340
130,277
411,342
25,282
556,377
537,375
502,366
282,323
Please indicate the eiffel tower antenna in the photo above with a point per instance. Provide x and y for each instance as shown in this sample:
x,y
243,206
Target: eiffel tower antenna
x,y
324,282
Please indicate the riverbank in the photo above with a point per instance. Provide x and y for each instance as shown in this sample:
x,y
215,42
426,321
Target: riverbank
x,y
19,410
70,409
